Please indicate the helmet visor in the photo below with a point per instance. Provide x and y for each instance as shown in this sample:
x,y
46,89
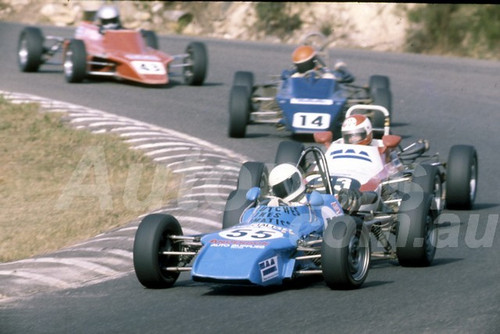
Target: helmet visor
x,y
287,186
110,21
305,66
354,137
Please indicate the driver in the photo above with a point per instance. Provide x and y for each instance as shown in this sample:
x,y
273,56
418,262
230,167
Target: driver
x,y
305,58
108,18
286,183
357,129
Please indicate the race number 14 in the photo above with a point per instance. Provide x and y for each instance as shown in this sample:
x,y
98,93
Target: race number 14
x,y
311,121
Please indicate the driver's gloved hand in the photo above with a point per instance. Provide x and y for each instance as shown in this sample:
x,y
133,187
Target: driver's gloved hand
x,y
349,199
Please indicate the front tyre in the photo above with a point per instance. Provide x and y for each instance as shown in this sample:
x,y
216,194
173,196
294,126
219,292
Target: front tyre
x,y
151,239
416,230
345,253
239,111
30,49
195,64
427,178
244,78
75,61
461,177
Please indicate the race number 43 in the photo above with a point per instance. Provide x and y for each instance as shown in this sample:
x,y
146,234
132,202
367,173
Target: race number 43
x,y
311,121
149,67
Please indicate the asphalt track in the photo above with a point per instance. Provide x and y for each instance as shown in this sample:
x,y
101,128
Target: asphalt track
x,y
446,100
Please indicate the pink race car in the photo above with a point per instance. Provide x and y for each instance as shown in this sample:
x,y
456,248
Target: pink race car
x,y
124,54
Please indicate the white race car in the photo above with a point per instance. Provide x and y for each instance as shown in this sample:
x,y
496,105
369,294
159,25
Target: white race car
x,y
396,192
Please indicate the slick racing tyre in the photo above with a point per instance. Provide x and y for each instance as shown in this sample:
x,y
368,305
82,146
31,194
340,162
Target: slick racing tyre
x,y
381,97
379,81
416,236
75,61
239,111
195,64
150,39
461,177
427,179
30,49
246,79
289,152
345,253
252,174
152,238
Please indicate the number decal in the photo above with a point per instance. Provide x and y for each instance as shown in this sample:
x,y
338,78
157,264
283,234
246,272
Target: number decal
x,y
251,233
311,121
342,183
148,67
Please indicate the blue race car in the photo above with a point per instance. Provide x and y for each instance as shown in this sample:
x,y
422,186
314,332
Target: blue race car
x,y
263,242
307,102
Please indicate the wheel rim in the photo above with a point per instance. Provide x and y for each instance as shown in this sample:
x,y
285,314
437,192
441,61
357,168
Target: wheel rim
x,y
68,64
165,261
358,257
438,202
23,52
188,66
473,182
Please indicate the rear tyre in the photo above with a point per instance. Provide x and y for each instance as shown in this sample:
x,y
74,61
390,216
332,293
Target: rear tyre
x,y
381,97
379,81
345,253
239,111
153,237
150,39
461,177
416,231
75,61
289,152
30,49
195,64
252,174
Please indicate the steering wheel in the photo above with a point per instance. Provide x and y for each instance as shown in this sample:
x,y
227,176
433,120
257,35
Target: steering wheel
x,y
312,176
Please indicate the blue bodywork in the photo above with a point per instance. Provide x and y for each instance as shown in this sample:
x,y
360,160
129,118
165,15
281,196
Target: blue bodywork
x,y
261,249
310,104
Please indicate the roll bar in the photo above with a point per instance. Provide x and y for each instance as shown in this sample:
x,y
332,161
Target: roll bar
x,y
383,110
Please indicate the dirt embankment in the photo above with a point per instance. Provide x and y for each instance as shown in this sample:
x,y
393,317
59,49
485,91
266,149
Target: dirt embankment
x,y
373,26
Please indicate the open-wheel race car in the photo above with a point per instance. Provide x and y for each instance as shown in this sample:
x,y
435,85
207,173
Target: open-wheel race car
x,y
398,193
123,54
305,102
265,239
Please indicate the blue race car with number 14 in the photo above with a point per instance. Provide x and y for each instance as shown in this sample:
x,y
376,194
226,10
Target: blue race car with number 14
x,y
305,102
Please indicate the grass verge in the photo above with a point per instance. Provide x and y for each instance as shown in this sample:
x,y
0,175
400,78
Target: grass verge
x,y
59,185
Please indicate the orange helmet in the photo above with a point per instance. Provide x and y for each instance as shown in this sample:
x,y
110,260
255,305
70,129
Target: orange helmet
x,y
304,58
357,129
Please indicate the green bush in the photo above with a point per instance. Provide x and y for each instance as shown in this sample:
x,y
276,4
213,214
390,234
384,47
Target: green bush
x,y
274,18
462,30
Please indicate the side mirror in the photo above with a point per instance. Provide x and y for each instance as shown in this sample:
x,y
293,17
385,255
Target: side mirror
x,y
253,194
316,199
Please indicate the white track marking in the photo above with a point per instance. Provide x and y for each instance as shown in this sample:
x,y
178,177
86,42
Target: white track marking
x,y
200,161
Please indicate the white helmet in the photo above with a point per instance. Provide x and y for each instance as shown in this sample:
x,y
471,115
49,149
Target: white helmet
x,y
108,17
286,182
357,129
